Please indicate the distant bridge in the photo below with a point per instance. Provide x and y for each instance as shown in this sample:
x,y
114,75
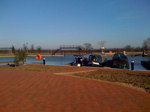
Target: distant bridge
x,y
67,47
70,47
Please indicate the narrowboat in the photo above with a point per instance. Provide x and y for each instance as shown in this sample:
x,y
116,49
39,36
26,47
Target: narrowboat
x,y
119,60
88,60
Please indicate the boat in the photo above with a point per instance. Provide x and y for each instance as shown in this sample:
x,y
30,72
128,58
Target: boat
x,y
94,60
88,60
146,64
119,60
146,54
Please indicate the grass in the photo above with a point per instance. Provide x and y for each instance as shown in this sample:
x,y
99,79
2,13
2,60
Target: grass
x,y
136,79
40,68
6,62
6,54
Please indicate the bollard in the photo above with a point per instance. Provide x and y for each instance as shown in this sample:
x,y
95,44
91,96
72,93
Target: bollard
x,y
143,54
43,61
132,65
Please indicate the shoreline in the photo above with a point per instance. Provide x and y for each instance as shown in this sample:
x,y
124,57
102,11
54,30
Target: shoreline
x,y
45,55
87,67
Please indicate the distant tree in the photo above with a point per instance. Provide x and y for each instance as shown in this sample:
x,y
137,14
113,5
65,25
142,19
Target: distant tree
x,y
88,46
20,56
102,43
25,47
138,49
13,49
80,48
146,44
128,48
39,48
32,47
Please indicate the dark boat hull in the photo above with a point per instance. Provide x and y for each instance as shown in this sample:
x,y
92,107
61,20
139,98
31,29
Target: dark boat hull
x,y
120,63
146,64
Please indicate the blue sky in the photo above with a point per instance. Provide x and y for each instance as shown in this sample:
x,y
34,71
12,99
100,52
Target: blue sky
x,y
51,23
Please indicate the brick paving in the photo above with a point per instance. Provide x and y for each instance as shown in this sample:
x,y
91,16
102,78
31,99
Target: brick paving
x,y
29,91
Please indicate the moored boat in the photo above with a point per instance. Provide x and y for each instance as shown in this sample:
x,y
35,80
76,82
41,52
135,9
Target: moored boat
x,y
146,64
88,60
119,60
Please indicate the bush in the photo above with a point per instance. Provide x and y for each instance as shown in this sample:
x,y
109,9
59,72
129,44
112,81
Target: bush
x,y
20,56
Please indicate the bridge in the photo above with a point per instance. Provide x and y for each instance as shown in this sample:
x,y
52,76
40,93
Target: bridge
x,y
70,47
67,47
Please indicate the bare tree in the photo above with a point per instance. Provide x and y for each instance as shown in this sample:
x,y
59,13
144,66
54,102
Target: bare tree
x,y
80,48
102,43
138,49
32,47
39,48
128,48
13,49
88,46
146,44
25,47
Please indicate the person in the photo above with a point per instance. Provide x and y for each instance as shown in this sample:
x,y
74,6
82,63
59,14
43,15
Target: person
x,y
81,61
76,60
43,61
124,52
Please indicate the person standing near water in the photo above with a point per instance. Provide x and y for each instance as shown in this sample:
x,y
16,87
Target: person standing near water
x,y
43,61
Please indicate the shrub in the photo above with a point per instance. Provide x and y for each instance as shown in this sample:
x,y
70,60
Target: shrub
x,y
20,56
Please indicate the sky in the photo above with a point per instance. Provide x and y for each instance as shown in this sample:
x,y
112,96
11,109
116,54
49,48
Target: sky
x,y
51,23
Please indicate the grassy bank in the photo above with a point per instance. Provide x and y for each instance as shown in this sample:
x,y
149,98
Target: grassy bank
x,y
6,62
137,79
40,68
6,54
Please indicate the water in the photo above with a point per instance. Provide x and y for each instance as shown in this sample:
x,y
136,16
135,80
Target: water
x,y
62,60
6,59
58,60
137,62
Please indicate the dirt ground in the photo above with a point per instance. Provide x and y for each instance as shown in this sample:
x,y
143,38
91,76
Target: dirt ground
x,y
44,91
139,79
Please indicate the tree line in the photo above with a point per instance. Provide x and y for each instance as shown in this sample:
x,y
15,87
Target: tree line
x,y
86,47
22,53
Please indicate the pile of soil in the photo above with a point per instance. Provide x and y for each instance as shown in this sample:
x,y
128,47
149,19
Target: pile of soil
x,y
138,79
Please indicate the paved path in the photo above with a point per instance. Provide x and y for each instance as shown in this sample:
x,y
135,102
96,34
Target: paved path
x,y
27,91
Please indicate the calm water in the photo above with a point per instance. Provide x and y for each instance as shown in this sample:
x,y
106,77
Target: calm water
x,y
62,60
137,62
58,60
